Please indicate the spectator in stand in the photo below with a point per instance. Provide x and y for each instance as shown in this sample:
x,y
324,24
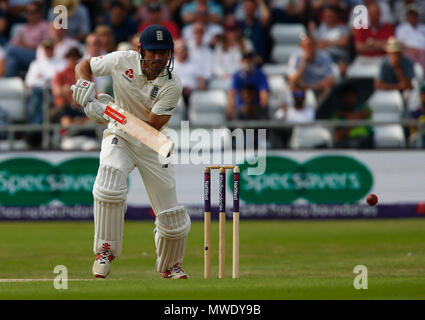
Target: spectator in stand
x,y
310,68
190,73
249,74
296,111
134,41
287,11
396,71
122,25
334,38
94,49
419,114
67,112
2,61
359,137
400,9
62,43
78,18
155,16
190,10
201,55
142,12
300,112
39,77
61,84
212,29
228,51
21,50
93,46
371,42
4,25
255,28
124,46
315,12
229,7
412,34
106,36
250,108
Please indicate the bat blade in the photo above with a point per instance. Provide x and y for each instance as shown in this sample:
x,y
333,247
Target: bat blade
x,y
139,129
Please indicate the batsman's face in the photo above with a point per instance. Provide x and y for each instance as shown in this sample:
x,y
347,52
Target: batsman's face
x,y
156,60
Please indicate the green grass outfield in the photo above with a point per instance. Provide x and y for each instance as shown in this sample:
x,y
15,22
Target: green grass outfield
x,y
278,260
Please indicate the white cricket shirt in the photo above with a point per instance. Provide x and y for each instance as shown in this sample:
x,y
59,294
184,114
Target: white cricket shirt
x,y
132,91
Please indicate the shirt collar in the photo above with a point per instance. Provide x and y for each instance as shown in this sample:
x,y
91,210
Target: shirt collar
x,y
158,81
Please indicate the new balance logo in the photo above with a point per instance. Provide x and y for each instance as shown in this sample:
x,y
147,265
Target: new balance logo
x,y
159,35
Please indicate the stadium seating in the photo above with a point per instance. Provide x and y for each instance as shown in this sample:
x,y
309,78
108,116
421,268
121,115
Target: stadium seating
x,y
387,106
273,69
218,83
387,101
281,53
363,67
208,107
278,90
310,137
287,33
12,98
389,136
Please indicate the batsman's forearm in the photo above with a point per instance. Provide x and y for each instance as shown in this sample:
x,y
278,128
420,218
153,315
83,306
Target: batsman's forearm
x,y
83,70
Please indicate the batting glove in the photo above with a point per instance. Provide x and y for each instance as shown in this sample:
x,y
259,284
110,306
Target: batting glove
x,y
94,109
83,91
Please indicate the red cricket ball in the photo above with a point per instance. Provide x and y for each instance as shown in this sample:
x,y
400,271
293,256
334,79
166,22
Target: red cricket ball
x,y
372,199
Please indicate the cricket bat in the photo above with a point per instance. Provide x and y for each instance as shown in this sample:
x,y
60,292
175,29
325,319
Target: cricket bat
x,y
139,129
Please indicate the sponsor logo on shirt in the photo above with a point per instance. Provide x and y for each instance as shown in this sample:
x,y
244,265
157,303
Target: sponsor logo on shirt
x,y
128,75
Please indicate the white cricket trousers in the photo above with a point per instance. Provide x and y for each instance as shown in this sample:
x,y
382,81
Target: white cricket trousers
x,y
123,155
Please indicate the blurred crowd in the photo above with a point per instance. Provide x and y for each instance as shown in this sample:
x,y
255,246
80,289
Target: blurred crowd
x,y
227,39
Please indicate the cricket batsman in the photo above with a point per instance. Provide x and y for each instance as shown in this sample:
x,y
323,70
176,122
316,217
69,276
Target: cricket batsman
x,y
145,85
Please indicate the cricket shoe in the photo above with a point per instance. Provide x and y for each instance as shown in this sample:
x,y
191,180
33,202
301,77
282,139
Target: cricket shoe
x,y
175,272
102,264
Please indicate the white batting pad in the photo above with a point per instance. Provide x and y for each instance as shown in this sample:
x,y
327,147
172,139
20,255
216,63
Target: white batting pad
x,y
173,223
109,191
108,227
172,228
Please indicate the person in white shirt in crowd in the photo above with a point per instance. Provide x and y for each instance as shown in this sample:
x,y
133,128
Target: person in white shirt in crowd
x,y
334,38
296,109
412,34
400,9
212,30
201,55
39,77
62,43
189,72
228,51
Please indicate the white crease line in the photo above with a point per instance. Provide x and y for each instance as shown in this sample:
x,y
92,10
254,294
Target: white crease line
x,y
40,280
